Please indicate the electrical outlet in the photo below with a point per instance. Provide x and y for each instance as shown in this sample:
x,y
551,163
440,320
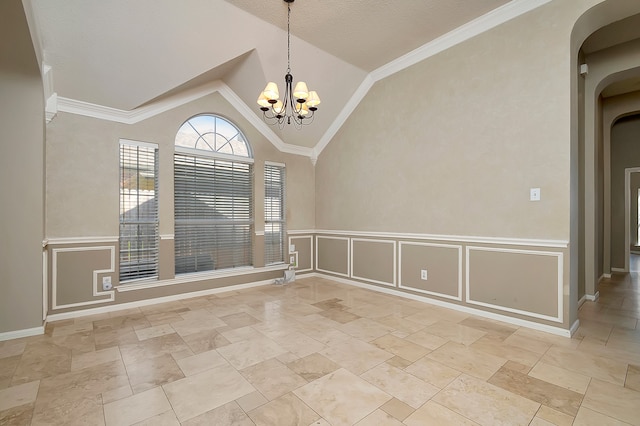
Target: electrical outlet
x,y
292,248
106,283
534,194
423,274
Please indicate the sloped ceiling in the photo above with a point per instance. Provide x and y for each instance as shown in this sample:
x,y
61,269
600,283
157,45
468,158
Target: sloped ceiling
x,y
125,54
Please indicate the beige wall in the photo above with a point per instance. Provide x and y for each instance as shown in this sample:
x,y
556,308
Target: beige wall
x,y
452,144
82,170
625,153
82,199
21,173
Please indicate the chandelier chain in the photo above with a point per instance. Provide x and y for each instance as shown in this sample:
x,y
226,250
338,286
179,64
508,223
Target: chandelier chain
x,y
288,38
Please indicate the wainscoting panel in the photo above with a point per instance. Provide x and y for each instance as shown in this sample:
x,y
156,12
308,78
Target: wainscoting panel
x,y
76,277
526,282
332,255
304,248
374,261
443,263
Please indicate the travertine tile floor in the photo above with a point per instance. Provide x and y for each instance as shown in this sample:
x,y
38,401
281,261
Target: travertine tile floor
x,y
316,352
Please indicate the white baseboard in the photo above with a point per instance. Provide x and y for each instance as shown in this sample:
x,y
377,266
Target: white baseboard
x,y
621,270
155,301
582,300
515,321
574,327
8,335
594,297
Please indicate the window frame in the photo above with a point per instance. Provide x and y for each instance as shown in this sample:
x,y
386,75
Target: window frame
x,y
271,257
212,160
154,251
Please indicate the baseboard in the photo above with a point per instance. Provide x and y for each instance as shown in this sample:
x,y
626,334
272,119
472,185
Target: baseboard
x,y
582,300
9,335
154,301
515,321
605,277
574,327
620,270
593,298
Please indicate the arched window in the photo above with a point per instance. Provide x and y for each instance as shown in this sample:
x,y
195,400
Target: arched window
x,y
213,196
208,133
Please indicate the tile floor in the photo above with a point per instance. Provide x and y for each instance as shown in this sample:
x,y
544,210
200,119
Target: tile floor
x,y
316,352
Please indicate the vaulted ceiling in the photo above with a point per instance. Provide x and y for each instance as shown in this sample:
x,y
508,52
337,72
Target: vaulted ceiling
x,y
129,55
126,54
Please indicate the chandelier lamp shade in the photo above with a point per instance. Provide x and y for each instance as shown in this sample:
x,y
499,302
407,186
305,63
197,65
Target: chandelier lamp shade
x,y
298,104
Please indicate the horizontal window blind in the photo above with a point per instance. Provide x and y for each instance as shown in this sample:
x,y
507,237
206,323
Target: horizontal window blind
x,y
213,213
138,211
274,218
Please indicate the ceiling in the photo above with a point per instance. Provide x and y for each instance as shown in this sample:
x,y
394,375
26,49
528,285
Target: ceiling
x,y
125,54
129,55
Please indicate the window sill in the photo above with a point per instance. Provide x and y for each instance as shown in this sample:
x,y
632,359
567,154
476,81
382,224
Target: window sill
x,y
200,276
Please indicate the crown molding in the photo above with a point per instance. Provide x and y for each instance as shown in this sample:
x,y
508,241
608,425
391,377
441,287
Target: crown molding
x,y
87,109
465,32
459,35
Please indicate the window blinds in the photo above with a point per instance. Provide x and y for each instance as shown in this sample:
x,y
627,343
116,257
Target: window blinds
x,y
274,221
213,213
138,211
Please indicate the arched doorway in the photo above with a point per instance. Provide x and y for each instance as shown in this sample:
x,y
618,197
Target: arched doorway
x,y
606,57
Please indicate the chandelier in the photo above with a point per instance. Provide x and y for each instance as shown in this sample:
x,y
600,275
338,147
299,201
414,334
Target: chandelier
x,y
298,104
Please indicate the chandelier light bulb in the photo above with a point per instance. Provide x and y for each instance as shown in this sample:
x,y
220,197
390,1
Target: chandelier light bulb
x,y
271,91
301,91
263,101
313,100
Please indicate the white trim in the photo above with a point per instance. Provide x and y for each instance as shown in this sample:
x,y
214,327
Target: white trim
x,y
213,154
96,292
581,301
45,285
199,276
73,106
82,240
154,301
166,236
259,233
456,238
605,277
627,214
395,267
434,293
461,34
449,305
619,270
274,164
9,335
465,32
574,327
348,256
593,298
141,144
311,256
300,231
346,111
559,257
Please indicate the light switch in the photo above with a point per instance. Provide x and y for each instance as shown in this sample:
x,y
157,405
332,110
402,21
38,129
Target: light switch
x,y
534,194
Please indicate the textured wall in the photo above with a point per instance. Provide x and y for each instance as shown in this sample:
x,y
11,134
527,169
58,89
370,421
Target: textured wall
x,y
21,173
